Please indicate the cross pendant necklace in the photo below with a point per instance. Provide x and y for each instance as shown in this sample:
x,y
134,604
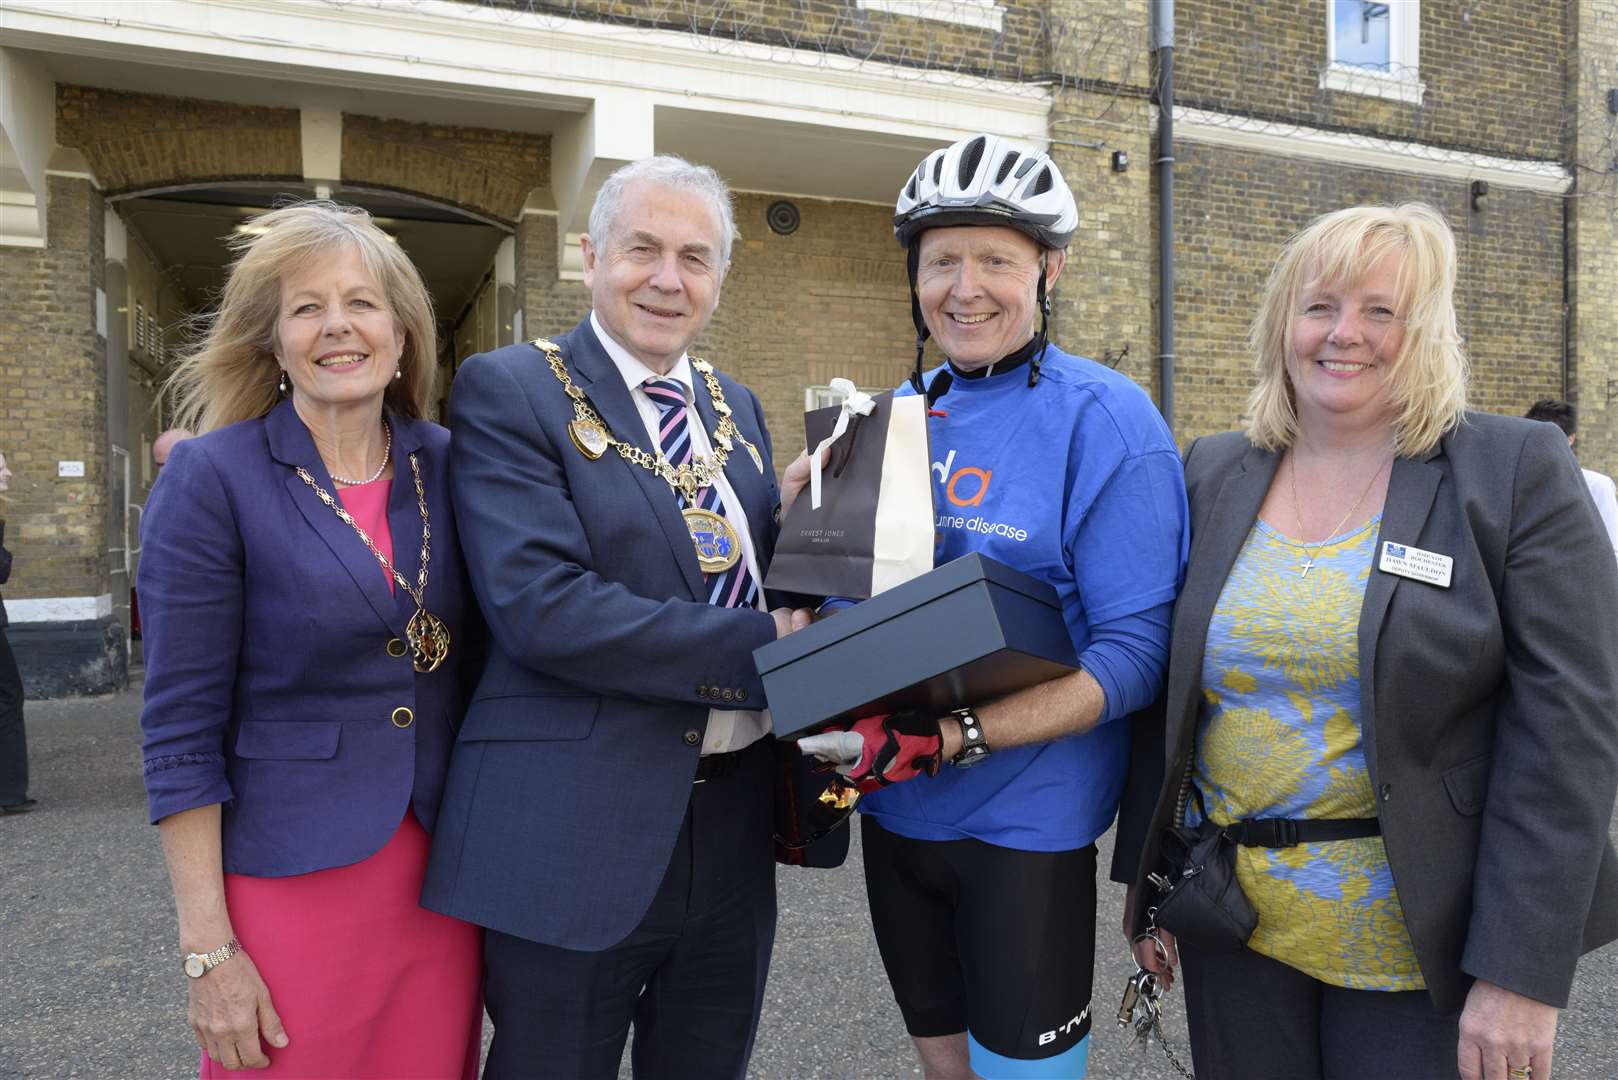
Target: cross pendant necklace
x,y
1297,512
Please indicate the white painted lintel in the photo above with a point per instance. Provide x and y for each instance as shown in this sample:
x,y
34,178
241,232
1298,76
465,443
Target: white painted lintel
x,y
1354,150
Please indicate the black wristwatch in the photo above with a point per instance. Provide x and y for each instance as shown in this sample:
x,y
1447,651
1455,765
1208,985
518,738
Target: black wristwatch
x,y
974,747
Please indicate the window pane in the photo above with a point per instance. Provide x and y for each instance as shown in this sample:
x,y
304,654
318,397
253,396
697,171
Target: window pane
x,y
1362,34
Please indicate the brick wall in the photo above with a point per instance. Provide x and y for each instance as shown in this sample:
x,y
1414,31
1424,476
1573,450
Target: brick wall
x,y
1593,240
1105,300
835,26
1495,73
135,141
53,369
1235,209
549,306
486,171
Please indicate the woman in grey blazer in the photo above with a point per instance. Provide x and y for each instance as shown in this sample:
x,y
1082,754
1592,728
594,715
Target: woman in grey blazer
x,y
1399,617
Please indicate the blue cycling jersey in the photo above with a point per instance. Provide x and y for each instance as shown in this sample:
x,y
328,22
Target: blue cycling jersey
x,y
1076,481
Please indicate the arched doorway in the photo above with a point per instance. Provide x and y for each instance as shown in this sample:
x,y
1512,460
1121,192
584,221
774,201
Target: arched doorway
x,y
166,275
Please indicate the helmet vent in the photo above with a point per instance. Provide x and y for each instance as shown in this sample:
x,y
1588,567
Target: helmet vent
x,y
1005,167
1022,170
938,170
1042,183
971,157
910,192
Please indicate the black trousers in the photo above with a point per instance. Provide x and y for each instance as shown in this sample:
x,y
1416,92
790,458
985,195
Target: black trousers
x,y
1251,1016
13,739
689,978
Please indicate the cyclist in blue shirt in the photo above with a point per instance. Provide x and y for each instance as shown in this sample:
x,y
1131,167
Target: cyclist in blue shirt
x,y
981,872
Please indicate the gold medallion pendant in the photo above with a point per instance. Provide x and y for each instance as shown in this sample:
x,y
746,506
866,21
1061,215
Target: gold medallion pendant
x,y
429,640
718,548
589,437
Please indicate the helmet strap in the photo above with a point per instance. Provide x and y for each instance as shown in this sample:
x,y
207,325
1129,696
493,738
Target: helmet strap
x,y
1044,302
912,264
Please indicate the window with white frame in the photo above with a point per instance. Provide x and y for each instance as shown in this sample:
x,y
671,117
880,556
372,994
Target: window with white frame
x,y
982,14
821,397
1374,49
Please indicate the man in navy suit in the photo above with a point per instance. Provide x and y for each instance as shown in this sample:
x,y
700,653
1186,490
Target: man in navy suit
x,y
608,811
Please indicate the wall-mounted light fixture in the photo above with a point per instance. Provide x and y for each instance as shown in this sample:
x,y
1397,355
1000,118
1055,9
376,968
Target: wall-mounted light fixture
x,y
783,218
1120,161
1480,191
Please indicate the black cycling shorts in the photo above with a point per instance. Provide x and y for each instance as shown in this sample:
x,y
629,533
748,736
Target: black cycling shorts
x,y
991,941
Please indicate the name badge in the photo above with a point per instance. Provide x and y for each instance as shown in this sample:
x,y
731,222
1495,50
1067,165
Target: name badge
x,y
1414,563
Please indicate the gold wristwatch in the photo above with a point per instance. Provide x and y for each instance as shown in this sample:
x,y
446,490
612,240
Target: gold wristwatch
x,y
196,965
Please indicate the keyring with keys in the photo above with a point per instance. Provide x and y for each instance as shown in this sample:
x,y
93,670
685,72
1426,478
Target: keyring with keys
x,y
1143,994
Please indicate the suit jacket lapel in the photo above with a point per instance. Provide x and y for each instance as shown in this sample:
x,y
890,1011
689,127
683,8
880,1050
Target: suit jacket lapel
x,y
1412,486
598,377
404,519
1220,529
292,445
745,479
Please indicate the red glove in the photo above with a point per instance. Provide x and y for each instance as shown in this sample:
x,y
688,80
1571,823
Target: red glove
x,y
892,748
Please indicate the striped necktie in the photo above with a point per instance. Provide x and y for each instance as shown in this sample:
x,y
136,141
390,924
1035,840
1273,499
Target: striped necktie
x,y
734,587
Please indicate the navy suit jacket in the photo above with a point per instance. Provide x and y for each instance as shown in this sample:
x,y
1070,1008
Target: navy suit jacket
x,y
573,770
5,571
270,687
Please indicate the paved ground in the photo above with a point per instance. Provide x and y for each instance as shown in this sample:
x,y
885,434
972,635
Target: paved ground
x,y
89,986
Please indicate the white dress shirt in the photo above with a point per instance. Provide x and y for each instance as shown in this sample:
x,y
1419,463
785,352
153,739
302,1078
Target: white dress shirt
x,y
728,729
1603,491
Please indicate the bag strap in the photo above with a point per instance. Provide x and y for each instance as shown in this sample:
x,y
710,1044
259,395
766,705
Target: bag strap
x,y
1290,832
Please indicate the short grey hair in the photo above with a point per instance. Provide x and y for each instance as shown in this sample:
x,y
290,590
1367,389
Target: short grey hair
x,y
670,171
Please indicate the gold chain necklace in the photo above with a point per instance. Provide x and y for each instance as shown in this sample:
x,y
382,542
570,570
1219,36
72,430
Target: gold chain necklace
x,y
717,546
1297,512
426,633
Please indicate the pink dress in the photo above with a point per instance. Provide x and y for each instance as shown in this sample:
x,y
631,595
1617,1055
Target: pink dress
x,y
367,982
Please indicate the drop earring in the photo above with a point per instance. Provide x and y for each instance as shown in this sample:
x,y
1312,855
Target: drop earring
x,y
283,383
398,373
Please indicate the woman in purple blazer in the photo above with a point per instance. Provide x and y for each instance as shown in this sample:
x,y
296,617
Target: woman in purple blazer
x,y
306,625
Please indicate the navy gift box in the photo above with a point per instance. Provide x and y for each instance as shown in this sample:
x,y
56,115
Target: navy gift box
x,y
963,634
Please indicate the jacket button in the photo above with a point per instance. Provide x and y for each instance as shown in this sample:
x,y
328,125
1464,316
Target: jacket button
x,y
396,647
692,738
741,695
702,690
403,717
1387,792
727,694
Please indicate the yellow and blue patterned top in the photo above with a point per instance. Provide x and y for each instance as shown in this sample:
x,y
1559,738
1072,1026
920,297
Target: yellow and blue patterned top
x,y
1279,736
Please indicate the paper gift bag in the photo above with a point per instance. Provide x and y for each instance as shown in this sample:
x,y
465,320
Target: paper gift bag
x,y
869,526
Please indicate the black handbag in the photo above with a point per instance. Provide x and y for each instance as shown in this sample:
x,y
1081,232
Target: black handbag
x,y
813,805
1201,902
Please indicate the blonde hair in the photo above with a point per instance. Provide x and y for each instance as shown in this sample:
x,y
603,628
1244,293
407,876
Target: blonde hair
x,y
232,373
1427,383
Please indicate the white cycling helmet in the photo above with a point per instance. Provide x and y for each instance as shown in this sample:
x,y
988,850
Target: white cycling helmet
x,y
984,180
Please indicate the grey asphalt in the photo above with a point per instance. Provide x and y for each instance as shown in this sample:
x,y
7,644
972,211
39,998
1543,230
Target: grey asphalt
x,y
90,984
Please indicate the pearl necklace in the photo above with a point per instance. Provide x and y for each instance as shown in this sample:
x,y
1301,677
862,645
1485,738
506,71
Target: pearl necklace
x,y
387,449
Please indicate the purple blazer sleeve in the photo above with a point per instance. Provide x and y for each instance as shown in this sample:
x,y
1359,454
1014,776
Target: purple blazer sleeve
x,y
190,581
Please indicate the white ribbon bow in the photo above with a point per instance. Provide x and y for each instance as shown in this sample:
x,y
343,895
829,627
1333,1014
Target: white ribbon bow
x,y
855,402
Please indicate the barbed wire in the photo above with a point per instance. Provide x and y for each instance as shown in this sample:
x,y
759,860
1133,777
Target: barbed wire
x,y
1097,57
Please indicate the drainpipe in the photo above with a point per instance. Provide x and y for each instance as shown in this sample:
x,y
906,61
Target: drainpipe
x,y
1163,42
1567,293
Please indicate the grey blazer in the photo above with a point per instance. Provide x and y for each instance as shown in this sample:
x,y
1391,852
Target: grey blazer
x,y
1489,708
